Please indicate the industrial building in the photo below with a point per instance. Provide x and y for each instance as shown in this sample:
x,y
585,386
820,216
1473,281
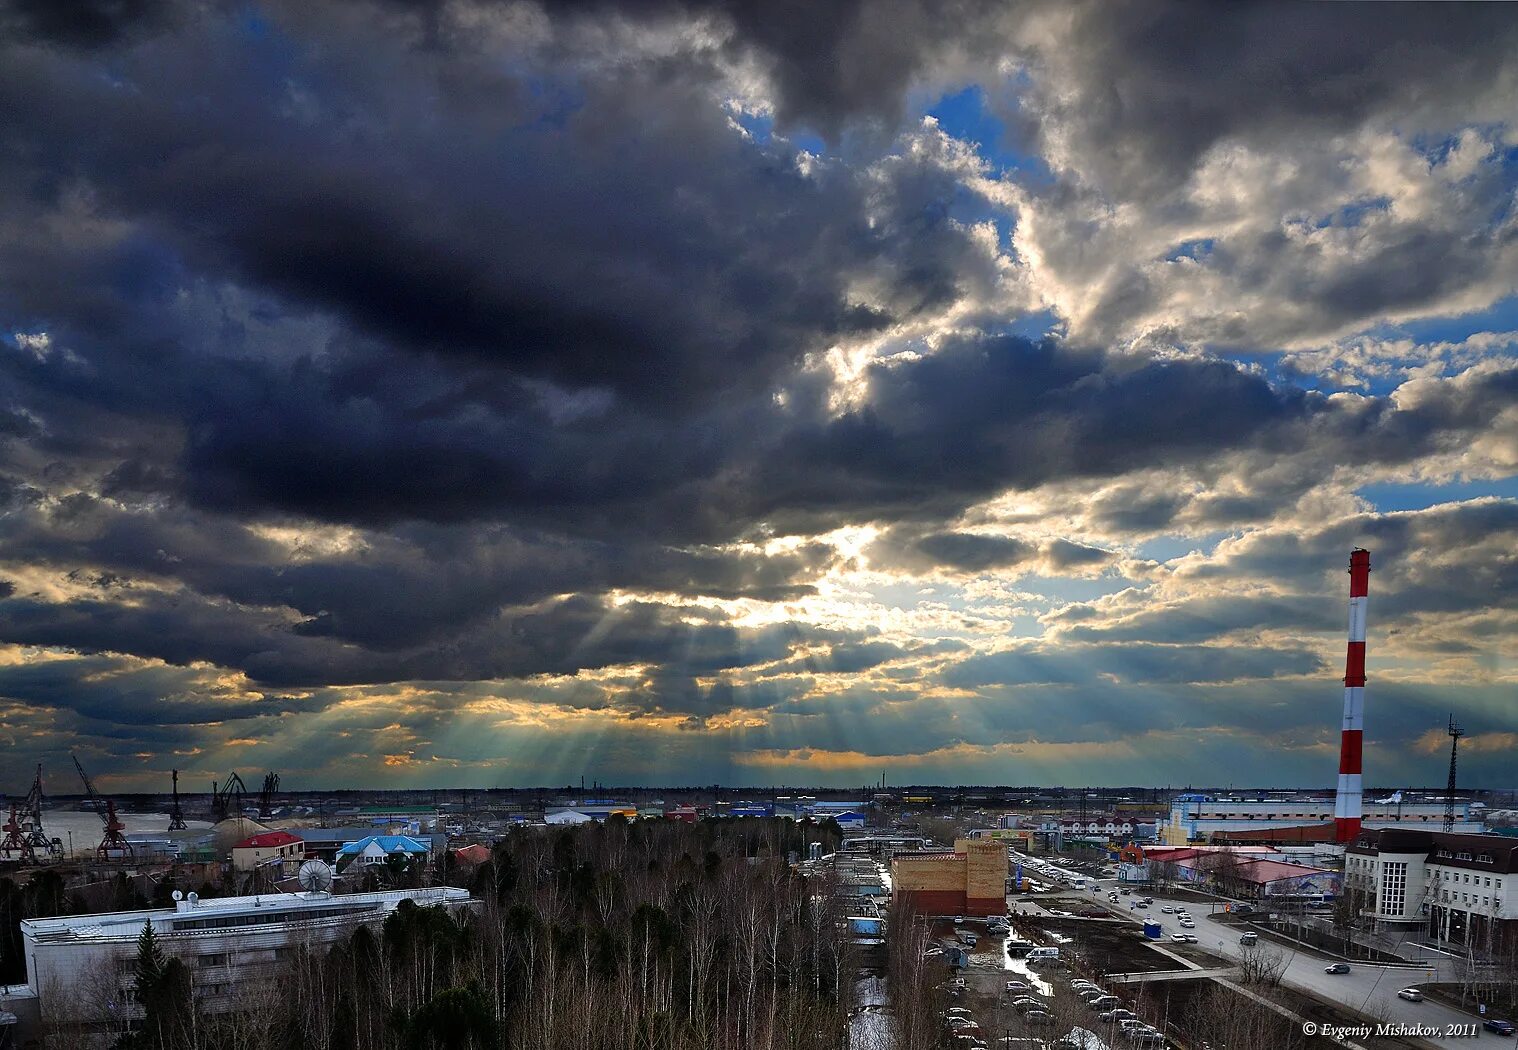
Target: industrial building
x,y
79,966
1456,888
1203,818
970,879
1252,872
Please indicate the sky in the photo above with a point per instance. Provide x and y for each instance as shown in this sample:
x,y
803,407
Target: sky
x,y
476,393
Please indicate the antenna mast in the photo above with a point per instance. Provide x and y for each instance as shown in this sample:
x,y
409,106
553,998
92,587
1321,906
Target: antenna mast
x,y
1455,733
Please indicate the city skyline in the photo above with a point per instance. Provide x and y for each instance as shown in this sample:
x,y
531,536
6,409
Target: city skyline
x,y
477,394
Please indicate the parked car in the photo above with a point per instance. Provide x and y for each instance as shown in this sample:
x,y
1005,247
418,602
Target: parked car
x,y
1017,986
1038,1017
1491,1024
1105,1002
1412,995
1249,938
1337,968
957,1011
961,1022
1089,994
1114,1016
1146,1037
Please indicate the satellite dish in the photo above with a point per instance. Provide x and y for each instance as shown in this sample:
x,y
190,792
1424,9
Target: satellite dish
x,y
193,898
315,877
177,895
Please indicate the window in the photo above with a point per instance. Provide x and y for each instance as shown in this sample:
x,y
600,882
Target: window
x,y
216,959
1394,888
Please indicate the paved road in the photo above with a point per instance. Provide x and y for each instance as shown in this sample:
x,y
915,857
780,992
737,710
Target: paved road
x,y
1368,989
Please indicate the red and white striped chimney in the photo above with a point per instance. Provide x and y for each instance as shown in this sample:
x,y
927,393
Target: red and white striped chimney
x,y
1347,801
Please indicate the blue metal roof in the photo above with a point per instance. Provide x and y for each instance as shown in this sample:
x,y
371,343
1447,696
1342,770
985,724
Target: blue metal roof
x,y
388,843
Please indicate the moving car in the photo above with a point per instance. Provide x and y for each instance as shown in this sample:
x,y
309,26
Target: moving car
x,y
1337,968
1500,1027
1166,910
1187,924
1412,995
1249,938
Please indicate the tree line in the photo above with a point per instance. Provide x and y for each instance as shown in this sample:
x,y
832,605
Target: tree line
x,y
622,936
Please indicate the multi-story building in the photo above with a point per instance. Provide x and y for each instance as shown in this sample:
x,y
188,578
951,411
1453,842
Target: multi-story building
x,y
268,847
1203,818
80,967
1456,888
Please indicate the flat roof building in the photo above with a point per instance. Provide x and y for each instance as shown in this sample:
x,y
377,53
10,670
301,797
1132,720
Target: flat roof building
x,y
1202,818
78,964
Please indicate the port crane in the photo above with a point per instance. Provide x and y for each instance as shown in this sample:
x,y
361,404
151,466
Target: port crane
x,y
112,841
25,840
226,798
266,796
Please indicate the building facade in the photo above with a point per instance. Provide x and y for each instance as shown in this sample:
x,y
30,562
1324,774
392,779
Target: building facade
x,y
1459,889
268,847
1200,818
970,879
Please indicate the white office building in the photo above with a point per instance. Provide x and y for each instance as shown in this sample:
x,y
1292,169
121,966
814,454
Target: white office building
x,y
81,966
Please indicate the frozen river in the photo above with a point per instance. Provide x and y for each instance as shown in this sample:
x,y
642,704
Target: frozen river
x,y
85,827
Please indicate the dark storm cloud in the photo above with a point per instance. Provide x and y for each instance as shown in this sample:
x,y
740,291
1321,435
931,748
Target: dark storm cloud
x,y
108,690
448,228
387,591
559,637
373,343
1148,88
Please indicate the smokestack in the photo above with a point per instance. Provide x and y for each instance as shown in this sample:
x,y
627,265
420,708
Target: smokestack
x,y
1347,802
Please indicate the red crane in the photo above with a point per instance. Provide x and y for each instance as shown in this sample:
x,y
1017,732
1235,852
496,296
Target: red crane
x,y
113,841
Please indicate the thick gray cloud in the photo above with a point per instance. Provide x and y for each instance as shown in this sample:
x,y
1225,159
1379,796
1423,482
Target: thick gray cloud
x,y
521,353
